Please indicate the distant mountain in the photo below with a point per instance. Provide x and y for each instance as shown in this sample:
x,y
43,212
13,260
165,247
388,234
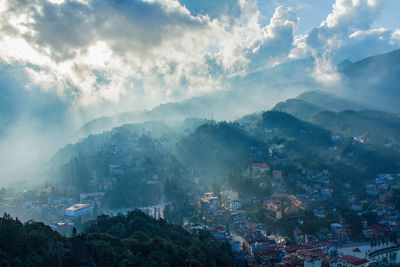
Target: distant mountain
x,y
222,105
344,64
299,108
199,107
194,107
308,104
379,127
250,119
329,101
375,80
291,127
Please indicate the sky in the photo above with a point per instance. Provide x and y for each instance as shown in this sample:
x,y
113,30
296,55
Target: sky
x,y
93,54
64,62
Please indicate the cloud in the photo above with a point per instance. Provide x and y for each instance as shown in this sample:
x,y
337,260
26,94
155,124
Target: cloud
x,y
138,53
95,51
346,17
345,34
70,42
396,35
277,39
212,8
352,14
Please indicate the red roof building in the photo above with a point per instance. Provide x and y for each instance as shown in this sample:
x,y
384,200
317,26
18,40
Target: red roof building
x,y
351,261
260,167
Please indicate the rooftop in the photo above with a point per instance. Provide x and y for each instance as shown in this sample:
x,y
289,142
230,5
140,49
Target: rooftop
x,y
353,260
78,206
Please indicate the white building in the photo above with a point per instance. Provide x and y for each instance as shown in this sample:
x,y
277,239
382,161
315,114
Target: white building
x,y
83,210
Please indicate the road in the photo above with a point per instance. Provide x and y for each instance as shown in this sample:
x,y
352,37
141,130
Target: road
x,y
237,237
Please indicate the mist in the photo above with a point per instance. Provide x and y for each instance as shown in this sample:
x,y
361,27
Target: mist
x,y
77,68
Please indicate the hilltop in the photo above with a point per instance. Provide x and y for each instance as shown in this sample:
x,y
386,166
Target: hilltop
x,y
308,104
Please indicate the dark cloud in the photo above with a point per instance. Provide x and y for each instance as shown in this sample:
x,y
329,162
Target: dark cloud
x,y
64,27
124,24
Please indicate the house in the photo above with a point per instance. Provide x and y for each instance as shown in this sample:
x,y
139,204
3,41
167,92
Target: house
x,y
229,196
336,228
356,206
351,261
368,233
235,205
84,197
379,230
260,167
328,262
291,260
115,169
56,200
277,175
298,236
208,203
267,254
359,138
272,209
313,261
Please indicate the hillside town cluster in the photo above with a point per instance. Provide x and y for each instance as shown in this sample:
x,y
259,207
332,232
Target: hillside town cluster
x,y
253,243
225,215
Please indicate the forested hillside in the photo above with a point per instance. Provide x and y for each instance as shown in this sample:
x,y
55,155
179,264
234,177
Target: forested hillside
x,y
132,240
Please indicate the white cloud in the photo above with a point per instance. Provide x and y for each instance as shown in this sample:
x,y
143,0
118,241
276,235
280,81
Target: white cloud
x,y
345,34
358,14
346,17
157,45
278,38
396,35
95,51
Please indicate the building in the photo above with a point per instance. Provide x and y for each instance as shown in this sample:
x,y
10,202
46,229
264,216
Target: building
x,y
236,205
82,210
351,261
368,233
314,261
336,228
266,255
298,236
84,197
229,196
260,167
208,203
277,175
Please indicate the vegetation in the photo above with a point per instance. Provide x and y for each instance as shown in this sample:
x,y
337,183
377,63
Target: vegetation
x,y
132,240
215,148
291,127
299,108
376,127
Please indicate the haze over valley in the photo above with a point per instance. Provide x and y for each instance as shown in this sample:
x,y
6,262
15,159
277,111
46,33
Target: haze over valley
x,y
200,133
